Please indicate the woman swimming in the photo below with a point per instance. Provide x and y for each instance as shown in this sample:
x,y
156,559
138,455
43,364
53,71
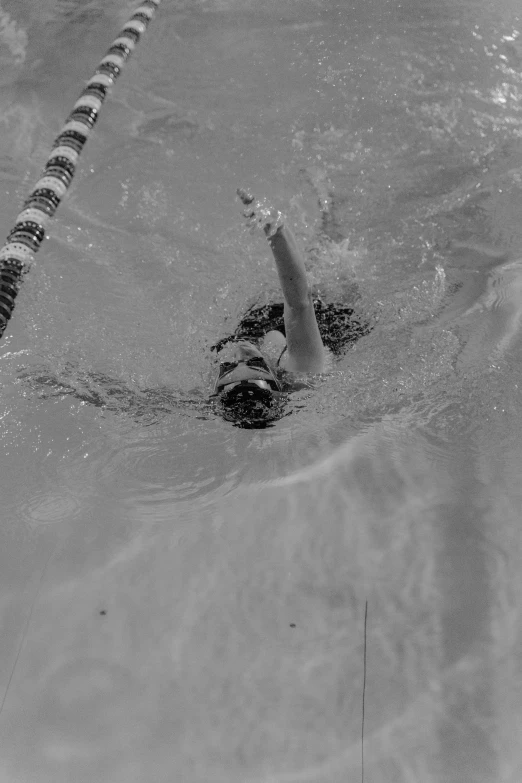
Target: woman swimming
x,y
248,389
258,365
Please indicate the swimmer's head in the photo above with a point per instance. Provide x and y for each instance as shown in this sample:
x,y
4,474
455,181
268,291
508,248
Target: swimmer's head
x,y
251,407
246,391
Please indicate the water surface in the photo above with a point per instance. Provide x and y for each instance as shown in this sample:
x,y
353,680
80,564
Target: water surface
x,y
181,599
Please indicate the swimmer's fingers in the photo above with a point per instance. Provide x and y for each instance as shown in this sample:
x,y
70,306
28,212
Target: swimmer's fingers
x,y
245,197
253,220
256,222
260,214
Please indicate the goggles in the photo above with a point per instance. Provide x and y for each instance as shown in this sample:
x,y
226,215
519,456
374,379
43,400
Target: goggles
x,y
270,383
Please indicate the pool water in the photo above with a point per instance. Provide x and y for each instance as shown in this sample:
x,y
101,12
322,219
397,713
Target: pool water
x,y
185,600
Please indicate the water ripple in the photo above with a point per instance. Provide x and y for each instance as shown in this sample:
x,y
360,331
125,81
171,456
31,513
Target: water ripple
x,y
50,507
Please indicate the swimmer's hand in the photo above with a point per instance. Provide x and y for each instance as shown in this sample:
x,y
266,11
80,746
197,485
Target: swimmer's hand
x,y
260,214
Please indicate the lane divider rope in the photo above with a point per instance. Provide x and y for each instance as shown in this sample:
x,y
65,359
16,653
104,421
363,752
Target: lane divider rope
x,y
25,238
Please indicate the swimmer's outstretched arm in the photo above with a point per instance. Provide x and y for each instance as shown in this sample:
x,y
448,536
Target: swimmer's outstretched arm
x,y
304,345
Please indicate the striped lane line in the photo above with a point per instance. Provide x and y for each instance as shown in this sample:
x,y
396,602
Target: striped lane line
x,y
28,233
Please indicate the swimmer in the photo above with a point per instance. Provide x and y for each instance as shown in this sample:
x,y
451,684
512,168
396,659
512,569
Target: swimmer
x,y
248,389
258,366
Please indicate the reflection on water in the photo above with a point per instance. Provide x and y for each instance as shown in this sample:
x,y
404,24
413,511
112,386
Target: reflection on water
x,y
182,599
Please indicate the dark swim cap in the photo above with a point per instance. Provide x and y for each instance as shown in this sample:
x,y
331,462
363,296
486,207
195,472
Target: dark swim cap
x,y
246,404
